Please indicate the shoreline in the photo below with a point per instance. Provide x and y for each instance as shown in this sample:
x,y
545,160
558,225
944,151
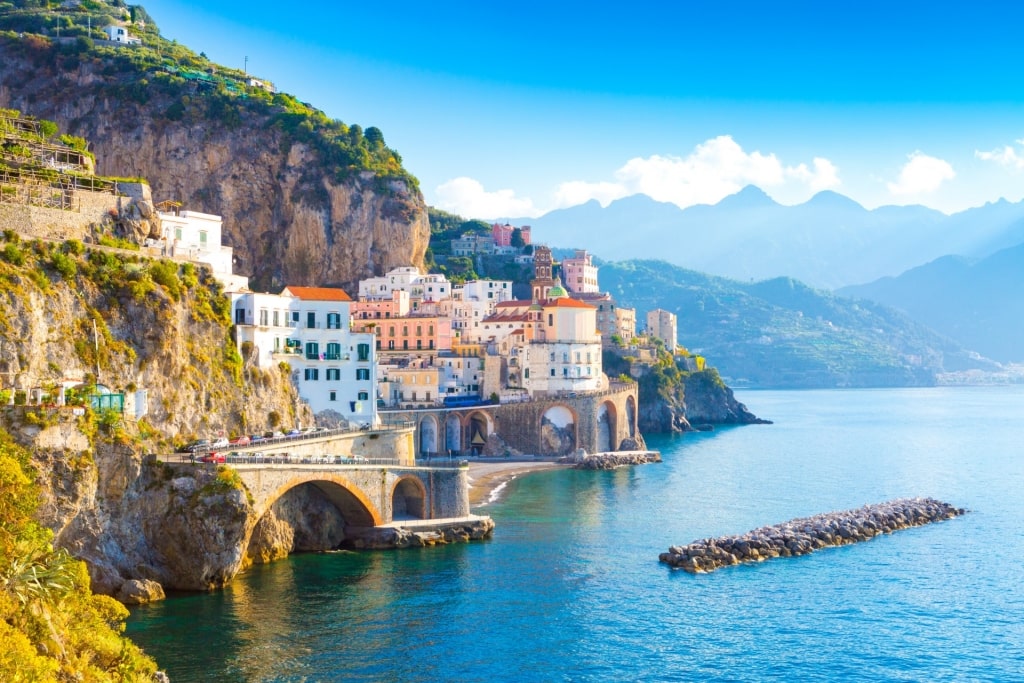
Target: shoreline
x,y
488,479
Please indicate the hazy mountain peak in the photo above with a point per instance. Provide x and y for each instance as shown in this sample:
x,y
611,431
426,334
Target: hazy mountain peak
x,y
833,200
750,197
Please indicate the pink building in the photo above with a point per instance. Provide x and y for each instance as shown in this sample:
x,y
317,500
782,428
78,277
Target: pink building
x,y
579,273
502,234
412,333
377,309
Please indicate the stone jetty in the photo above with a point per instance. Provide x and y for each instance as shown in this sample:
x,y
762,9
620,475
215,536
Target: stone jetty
x,y
609,461
807,534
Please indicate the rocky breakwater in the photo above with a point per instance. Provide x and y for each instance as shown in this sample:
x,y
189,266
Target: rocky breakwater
x,y
418,535
610,461
805,535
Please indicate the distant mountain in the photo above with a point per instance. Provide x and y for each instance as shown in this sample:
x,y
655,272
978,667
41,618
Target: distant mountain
x,y
829,241
976,302
781,333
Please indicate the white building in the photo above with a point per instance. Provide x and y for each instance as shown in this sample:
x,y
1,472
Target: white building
x,y
119,34
471,303
197,237
421,287
662,324
309,328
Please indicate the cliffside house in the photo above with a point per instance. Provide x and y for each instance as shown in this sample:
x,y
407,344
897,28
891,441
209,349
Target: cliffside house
x,y
197,237
119,34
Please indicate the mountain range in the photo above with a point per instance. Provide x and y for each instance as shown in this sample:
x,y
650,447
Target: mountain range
x,y
975,301
830,241
781,333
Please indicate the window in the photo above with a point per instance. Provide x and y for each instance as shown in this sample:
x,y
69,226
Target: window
x,y
277,319
177,234
333,351
552,372
405,344
391,344
239,316
419,330
333,374
333,396
310,319
565,372
526,373
364,352
391,331
264,317
334,321
405,330
312,351
364,396
551,319
430,330
362,373
419,344
312,374
202,238
295,317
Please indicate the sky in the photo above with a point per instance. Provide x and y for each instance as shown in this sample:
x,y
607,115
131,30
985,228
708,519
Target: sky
x,y
509,110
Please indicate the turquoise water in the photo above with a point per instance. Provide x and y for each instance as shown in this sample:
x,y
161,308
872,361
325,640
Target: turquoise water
x,y
570,588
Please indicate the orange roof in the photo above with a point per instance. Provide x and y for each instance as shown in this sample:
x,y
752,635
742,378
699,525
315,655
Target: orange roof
x,y
565,302
318,293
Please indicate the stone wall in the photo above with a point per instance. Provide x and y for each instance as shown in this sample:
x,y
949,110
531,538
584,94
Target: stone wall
x,y
38,221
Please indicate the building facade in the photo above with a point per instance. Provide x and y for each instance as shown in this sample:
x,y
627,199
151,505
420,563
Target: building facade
x,y
663,325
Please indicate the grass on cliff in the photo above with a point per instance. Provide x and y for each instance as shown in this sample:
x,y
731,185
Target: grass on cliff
x,y
51,625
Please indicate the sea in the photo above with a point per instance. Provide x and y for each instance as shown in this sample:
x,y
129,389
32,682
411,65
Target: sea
x,y
570,587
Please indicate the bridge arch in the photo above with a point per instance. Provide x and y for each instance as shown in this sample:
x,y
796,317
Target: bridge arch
x,y
453,433
607,427
479,426
408,498
631,416
346,496
428,434
559,430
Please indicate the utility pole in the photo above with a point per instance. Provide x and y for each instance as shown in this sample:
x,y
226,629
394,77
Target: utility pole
x,y
245,69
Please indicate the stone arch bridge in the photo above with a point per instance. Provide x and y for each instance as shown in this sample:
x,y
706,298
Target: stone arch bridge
x,y
554,425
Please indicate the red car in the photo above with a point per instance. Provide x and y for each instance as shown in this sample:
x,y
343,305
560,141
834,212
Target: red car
x,y
241,441
213,457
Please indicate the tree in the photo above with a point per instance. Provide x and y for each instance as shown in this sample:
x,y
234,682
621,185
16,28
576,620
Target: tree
x,y
374,137
517,238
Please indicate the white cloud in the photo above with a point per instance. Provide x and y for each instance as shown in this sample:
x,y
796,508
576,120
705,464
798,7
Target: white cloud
x,y
467,197
1007,156
921,174
714,170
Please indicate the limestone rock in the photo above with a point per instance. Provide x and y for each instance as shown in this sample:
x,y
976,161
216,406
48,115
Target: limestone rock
x,y
140,592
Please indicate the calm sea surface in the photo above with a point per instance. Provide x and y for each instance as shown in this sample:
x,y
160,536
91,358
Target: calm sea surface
x,y
570,588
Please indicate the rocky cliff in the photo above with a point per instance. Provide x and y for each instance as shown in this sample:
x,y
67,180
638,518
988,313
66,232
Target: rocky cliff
x,y
675,397
161,337
296,209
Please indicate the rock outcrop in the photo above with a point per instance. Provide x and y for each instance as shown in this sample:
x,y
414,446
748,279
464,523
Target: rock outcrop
x,y
290,217
397,536
805,535
611,461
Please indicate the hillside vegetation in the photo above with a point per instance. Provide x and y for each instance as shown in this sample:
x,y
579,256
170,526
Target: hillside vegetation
x,y
306,199
780,333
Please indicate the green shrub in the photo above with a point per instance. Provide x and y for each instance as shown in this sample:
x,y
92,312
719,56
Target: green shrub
x,y
165,273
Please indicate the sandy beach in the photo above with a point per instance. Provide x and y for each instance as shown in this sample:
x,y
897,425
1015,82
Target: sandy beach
x,y
486,477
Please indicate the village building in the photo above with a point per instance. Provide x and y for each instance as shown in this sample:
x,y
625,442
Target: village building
x,y
429,287
408,333
579,274
308,328
501,234
662,325
197,237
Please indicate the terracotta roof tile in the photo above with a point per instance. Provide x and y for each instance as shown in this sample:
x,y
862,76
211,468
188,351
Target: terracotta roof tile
x,y
318,293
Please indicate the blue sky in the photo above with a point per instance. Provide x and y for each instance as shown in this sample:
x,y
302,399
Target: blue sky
x,y
514,109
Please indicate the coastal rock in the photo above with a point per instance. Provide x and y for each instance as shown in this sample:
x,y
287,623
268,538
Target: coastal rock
x,y
805,535
382,538
610,461
140,592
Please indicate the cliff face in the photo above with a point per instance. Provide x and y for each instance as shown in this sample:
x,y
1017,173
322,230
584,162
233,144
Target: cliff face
x,y
675,397
161,329
290,217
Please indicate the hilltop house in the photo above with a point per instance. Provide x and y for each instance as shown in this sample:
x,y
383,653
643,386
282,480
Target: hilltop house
x,y
197,237
119,34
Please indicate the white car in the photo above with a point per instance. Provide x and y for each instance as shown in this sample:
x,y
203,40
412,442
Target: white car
x,y
220,443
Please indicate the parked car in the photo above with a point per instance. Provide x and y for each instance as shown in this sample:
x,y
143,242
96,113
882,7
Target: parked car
x,y
255,438
364,425
220,443
357,458
241,441
214,457
197,445
294,432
